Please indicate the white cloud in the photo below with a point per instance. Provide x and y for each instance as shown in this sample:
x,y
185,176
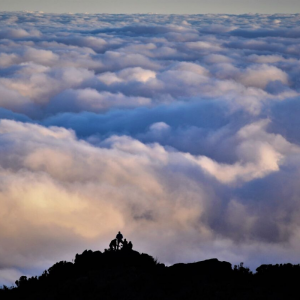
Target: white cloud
x,y
178,130
260,76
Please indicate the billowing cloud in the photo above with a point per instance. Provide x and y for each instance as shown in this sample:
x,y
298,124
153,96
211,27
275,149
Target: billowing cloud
x,y
180,131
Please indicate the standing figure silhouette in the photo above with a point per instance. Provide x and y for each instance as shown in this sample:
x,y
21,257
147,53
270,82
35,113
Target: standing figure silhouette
x,y
119,239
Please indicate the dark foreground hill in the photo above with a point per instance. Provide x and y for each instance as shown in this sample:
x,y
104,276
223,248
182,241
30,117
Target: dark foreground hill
x,y
131,275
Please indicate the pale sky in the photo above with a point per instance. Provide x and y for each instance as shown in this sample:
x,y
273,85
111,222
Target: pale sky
x,y
154,6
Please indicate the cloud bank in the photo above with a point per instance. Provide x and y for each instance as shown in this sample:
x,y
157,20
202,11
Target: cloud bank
x,y
182,131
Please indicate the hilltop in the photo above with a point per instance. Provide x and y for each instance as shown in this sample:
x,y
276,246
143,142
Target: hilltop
x,y
128,274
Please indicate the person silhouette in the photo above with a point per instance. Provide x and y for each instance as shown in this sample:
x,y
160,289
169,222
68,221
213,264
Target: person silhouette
x,y
119,239
125,245
113,245
129,246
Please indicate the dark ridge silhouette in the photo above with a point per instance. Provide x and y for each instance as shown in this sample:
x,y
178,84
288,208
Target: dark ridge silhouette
x,y
122,273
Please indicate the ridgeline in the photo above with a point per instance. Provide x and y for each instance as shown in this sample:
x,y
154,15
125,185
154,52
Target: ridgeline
x,y
127,274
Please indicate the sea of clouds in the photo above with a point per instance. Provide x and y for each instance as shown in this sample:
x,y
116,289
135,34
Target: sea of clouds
x,y
182,131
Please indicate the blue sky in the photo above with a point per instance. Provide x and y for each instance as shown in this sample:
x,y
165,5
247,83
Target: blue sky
x,y
155,6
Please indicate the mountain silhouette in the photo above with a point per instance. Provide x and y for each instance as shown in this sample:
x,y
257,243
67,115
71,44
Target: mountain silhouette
x,y
127,274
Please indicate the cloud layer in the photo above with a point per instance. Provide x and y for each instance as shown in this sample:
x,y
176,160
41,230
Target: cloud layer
x,y
182,131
